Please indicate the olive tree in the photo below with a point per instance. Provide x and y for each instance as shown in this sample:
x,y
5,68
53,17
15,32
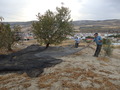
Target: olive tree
x,y
6,36
53,27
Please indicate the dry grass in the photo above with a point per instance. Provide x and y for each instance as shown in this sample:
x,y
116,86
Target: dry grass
x,y
116,47
25,76
83,79
43,85
71,86
105,71
91,74
105,84
4,88
92,88
110,85
98,81
78,53
103,64
105,59
47,80
75,75
67,42
10,81
29,42
6,77
26,85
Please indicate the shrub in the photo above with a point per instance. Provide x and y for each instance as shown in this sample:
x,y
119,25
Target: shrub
x,y
106,41
107,47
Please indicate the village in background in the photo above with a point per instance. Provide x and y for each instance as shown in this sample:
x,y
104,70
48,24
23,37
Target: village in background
x,y
84,29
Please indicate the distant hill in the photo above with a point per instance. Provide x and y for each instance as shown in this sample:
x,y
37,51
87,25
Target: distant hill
x,y
78,22
85,25
19,23
111,26
114,22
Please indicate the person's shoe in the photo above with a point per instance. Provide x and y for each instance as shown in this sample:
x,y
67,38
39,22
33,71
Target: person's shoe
x,y
95,56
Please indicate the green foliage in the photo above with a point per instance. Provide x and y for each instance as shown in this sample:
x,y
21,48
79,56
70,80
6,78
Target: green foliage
x,y
6,36
53,28
108,50
107,47
106,41
17,31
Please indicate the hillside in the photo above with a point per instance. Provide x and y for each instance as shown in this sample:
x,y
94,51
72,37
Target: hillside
x,y
77,71
113,22
112,25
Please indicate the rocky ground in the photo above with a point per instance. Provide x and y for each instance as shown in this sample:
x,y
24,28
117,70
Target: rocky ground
x,y
79,70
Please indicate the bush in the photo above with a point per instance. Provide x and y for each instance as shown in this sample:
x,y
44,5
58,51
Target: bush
x,y
106,41
7,37
108,50
107,47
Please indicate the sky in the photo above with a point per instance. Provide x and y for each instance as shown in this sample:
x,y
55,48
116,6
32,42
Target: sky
x,y
26,10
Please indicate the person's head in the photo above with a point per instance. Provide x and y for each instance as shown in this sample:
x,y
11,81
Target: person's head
x,y
76,37
96,34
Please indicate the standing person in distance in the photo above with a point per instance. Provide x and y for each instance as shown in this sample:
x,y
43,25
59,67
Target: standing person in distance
x,y
77,41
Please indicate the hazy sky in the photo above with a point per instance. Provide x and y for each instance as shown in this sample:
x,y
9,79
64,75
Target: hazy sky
x,y
26,10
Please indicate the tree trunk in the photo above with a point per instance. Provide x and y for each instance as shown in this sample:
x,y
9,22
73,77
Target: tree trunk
x,y
9,48
47,45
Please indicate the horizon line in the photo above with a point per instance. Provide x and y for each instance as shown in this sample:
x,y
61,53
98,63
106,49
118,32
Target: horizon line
x,y
73,20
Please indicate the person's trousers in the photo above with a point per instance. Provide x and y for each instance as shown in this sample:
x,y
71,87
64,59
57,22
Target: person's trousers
x,y
76,45
98,49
